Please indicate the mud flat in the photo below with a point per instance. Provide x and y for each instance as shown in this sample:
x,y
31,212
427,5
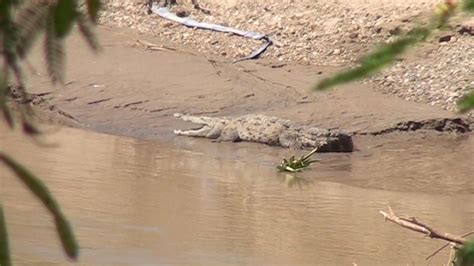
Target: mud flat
x,y
128,90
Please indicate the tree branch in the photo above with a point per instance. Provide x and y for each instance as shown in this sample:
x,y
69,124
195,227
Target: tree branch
x,y
414,225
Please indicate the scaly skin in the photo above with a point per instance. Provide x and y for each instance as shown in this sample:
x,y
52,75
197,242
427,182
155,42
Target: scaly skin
x,y
269,130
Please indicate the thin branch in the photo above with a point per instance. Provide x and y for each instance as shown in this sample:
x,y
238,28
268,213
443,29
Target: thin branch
x,y
445,246
414,225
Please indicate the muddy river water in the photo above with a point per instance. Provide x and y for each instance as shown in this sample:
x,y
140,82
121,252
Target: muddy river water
x,y
192,202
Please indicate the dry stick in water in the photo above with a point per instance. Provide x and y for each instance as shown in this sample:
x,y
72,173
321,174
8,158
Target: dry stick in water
x,y
445,246
413,224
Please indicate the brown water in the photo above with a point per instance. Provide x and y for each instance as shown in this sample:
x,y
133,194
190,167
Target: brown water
x,y
188,201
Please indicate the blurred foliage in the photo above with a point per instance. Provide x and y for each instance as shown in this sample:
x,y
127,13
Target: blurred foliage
x,y
465,255
468,5
4,252
388,53
38,188
21,24
467,102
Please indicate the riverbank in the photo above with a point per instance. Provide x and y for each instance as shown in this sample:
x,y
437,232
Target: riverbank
x,y
332,34
129,90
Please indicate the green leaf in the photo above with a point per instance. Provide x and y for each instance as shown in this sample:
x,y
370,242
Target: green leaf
x,y
7,115
468,5
465,255
30,129
85,28
466,103
4,250
9,39
54,53
64,17
93,7
67,237
379,58
38,188
32,20
3,102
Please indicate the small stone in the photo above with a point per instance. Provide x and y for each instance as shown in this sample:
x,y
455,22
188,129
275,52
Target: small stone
x,y
377,29
182,13
336,52
445,38
353,35
467,27
167,24
395,31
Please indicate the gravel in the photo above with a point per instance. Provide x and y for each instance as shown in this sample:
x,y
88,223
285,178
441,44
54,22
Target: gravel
x,y
329,33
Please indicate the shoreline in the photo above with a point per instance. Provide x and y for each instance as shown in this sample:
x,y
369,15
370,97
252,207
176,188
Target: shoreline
x,y
131,91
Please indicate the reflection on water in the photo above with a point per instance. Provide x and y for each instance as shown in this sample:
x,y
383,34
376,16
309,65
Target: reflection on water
x,y
189,201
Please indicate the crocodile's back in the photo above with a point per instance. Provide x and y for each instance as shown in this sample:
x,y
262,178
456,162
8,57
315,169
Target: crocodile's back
x,y
269,130
259,128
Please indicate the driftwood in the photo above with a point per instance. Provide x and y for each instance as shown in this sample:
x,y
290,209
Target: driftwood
x,y
455,241
417,226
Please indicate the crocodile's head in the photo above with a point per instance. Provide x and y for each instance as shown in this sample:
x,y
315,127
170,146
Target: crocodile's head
x,y
209,127
338,142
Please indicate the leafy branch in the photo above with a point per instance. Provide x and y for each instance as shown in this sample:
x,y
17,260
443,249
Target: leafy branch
x,y
39,189
21,23
4,252
388,53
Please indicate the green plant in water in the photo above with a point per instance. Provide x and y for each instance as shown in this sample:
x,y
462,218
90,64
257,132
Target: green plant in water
x,y
297,165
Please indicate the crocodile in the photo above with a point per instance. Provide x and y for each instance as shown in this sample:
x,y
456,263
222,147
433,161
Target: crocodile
x,y
269,130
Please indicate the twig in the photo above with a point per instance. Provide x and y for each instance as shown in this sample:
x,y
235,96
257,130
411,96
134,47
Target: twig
x,y
414,225
445,246
152,46
306,157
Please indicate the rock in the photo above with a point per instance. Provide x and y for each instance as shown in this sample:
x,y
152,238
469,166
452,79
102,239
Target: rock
x,y
353,35
167,24
395,31
466,29
445,38
377,29
182,13
336,52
